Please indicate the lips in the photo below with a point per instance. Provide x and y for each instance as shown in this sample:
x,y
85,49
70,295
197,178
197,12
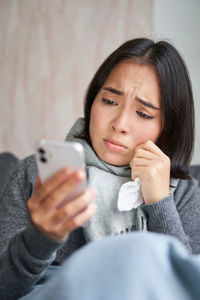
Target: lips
x,y
114,145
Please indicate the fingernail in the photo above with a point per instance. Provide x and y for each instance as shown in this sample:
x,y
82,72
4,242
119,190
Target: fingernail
x,y
94,206
80,175
67,171
93,193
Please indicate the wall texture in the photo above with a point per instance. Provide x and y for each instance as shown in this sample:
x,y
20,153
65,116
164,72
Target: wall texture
x,y
49,51
179,22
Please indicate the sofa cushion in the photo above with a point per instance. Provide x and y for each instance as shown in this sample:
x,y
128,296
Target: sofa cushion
x,y
7,163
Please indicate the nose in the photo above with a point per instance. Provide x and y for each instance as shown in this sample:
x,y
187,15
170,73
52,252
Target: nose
x,y
121,122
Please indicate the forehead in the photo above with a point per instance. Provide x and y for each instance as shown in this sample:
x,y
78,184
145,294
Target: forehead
x,y
135,72
131,76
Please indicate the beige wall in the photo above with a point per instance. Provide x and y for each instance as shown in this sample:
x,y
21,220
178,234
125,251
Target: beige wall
x,y
179,22
49,49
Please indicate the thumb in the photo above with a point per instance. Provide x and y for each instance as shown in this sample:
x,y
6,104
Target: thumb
x,y
38,183
133,174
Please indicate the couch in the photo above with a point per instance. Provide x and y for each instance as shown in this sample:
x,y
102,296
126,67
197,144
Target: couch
x,y
7,163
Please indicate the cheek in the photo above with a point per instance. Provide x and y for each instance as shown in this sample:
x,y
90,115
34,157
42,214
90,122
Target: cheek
x,y
148,132
95,116
97,119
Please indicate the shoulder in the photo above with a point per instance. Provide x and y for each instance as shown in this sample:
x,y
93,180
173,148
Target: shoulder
x,y
28,167
22,180
188,184
27,173
187,190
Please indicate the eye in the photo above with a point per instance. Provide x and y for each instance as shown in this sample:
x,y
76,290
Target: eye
x,y
142,115
108,102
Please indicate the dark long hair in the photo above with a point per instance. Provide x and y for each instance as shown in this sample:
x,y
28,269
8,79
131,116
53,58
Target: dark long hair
x,y
177,137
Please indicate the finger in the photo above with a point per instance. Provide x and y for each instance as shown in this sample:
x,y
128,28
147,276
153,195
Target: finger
x,y
77,221
73,208
51,184
135,173
140,162
143,153
38,183
63,191
150,146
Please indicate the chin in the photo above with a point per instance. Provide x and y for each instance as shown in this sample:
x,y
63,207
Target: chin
x,y
115,161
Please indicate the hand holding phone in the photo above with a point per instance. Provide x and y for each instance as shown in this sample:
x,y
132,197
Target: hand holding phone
x,y
62,202
52,156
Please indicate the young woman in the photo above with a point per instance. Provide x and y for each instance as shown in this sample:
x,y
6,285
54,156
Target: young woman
x,y
138,123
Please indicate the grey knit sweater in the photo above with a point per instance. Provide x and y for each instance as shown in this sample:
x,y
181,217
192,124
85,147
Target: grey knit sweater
x,y
25,253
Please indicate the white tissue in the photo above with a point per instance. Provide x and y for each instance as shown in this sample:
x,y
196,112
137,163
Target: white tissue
x,y
130,195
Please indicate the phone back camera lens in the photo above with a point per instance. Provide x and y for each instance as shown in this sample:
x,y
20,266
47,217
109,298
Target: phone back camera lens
x,y
41,150
43,159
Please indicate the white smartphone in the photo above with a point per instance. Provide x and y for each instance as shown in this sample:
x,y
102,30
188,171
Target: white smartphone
x,y
52,156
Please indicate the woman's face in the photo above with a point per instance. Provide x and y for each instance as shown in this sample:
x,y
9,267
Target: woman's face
x,y
126,112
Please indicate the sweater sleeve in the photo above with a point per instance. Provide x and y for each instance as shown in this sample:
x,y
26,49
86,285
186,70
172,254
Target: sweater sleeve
x,y
178,215
25,253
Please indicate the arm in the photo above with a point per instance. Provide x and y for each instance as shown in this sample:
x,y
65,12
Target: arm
x,y
175,214
33,225
178,215
24,252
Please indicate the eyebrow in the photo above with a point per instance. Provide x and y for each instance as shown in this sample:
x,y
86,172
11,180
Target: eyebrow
x,y
114,91
118,92
148,104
